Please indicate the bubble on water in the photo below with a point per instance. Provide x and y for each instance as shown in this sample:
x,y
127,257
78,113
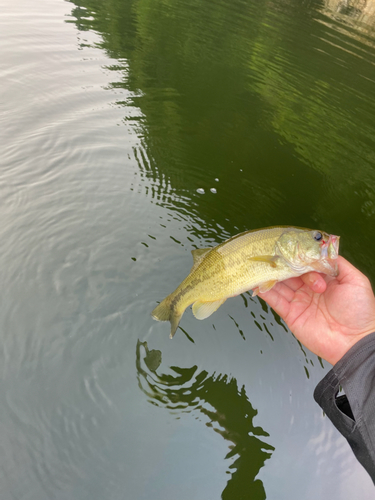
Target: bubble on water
x,y
200,190
213,190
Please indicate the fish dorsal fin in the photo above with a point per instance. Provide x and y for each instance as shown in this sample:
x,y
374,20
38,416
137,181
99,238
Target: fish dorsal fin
x,y
268,259
203,310
198,256
199,253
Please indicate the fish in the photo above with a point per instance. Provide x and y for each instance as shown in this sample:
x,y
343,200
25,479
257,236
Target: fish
x,y
253,260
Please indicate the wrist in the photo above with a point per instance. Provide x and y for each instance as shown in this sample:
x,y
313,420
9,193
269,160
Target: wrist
x,y
356,357
346,345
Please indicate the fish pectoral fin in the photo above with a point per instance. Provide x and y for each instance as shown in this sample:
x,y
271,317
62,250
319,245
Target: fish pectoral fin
x,y
264,287
268,259
203,310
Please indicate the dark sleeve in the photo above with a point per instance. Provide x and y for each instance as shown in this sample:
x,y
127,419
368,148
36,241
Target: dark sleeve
x,y
354,412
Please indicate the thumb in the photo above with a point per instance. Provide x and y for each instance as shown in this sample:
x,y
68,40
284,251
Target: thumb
x,y
315,282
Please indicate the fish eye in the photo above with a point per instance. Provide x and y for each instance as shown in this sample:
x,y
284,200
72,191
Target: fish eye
x,y
318,236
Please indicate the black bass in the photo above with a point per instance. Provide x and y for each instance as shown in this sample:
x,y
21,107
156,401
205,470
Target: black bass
x,y
254,260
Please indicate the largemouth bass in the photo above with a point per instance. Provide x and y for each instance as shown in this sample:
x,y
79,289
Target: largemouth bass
x,y
254,260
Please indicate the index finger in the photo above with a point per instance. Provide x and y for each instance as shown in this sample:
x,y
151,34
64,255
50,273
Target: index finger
x,y
279,303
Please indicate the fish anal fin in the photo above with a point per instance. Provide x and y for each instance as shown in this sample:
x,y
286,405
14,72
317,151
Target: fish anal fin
x,y
203,310
268,259
264,287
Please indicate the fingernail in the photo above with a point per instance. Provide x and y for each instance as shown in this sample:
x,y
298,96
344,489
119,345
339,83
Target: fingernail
x,y
317,286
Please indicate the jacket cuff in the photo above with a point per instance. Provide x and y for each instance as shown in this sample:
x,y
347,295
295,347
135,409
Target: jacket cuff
x,y
353,413
354,372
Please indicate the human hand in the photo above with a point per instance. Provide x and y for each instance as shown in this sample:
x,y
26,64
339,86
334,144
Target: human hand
x,y
328,315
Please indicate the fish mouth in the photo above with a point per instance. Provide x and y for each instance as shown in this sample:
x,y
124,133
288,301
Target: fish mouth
x,y
330,249
329,253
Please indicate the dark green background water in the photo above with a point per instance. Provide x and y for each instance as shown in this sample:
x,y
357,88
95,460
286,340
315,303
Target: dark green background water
x,y
133,132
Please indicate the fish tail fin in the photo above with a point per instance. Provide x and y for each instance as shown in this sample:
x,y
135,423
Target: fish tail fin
x,y
162,312
175,321
165,312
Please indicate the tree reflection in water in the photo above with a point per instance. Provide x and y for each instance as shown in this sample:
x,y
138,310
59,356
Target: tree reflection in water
x,y
228,408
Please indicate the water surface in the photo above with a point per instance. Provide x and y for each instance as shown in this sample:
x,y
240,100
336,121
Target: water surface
x,y
133,132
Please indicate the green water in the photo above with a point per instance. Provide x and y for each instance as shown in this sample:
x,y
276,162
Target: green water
x,y
133,132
